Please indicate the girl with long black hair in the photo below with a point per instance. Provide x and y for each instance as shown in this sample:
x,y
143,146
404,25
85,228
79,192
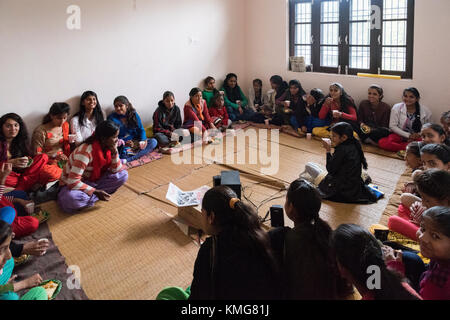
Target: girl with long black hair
x,y
52,138
15,149
237,103
343,181
360,260
290,108
406,121
85,121
304,253
236,262
337,106
132,131
94,170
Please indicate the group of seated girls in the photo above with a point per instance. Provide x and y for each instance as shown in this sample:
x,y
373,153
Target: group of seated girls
x,y
429,185
375,122
240,260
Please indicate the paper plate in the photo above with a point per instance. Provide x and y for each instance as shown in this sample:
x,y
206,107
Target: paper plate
x,y
58,289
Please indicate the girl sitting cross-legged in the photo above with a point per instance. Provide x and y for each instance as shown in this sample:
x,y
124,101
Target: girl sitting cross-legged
x,y
237,103
218,113
406,121
132,131
338,106
373,117
166,120
93,171
196,115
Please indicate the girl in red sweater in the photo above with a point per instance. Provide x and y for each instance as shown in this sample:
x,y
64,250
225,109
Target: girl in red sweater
x,y
218,113
338,106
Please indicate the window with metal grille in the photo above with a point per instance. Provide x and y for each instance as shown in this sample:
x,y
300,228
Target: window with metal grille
x,y
352,36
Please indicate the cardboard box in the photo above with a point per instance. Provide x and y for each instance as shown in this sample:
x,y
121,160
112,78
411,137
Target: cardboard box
x,y
191,216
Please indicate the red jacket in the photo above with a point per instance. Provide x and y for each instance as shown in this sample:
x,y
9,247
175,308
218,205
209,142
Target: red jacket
x,y
190,116
219,113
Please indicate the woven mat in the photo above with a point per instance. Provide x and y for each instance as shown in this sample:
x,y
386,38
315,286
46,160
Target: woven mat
x,y
123,251
129,248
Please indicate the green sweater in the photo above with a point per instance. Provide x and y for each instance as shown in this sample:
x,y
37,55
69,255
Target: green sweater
x,y
235,106
208,95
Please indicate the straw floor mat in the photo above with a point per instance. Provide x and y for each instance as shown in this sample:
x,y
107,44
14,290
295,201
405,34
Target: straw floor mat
x,y
129,247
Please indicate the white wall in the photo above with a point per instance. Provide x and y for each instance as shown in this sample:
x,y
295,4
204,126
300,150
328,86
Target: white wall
x,y
268,50
136,48
140,49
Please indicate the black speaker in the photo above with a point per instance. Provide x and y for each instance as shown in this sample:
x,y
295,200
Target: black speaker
x,y
216,181
232,180
276,216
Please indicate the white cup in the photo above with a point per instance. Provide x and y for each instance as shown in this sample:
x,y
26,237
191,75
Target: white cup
x,y
238,101
327,140
288,103
30,208
335,113
174,137
222,92
308,136
72,138
42,240
267,122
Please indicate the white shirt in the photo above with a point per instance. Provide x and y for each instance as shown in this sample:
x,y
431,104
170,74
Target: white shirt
x,y
399,120
84,131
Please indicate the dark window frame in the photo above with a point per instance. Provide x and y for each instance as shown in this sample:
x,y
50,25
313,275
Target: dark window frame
x,y
344,47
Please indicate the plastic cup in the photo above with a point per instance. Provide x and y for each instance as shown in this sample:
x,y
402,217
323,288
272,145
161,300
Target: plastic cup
x,y
267,122
30,208
327,140
222,92
335,113
288,103
72,138
238,101
308,136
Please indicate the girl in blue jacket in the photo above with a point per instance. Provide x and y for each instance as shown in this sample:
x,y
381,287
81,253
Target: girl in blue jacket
x,y
132,131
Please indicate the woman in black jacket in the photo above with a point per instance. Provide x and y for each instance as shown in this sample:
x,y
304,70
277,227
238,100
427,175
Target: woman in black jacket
x,y
236,262
343,182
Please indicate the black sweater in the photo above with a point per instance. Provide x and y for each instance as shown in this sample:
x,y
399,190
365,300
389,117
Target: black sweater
x,y
343,182
239,274
166,121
